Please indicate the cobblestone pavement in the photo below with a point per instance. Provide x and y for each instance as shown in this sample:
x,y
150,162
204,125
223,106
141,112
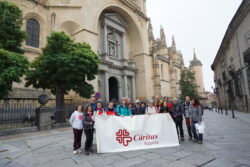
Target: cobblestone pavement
x,y
226,144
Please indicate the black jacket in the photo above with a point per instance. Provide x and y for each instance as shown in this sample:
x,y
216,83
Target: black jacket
x,y
87,121
138,111
177,112
164,109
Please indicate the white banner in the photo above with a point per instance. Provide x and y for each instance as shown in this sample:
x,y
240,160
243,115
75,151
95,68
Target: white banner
x,y
117,134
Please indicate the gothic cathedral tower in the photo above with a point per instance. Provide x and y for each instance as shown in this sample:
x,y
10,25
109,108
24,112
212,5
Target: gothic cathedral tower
x,y
196,66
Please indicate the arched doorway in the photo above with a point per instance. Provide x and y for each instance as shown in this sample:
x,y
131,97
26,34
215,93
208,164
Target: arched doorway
x,y
113,89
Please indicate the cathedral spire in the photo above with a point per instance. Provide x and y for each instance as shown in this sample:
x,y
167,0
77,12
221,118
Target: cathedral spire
x,y
163,37
195,58
173,45
195,61
150,31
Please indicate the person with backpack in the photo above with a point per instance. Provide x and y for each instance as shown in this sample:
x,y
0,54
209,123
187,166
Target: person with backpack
x,y
187,114
177,113
151,109
76,123
196,117
123,109
88,125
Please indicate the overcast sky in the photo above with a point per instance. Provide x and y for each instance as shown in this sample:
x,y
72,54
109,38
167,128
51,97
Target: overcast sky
x,y
199,24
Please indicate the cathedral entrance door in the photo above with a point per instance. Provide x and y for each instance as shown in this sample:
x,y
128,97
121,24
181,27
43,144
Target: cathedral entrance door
x,y
113,89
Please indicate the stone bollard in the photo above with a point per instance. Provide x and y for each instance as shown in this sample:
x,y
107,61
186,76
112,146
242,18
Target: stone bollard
x,y
43,114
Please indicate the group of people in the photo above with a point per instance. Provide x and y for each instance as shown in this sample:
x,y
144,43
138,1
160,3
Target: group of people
x,y
83,119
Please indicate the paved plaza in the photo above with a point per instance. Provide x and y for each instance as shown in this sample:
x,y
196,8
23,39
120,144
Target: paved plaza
x,y
226,144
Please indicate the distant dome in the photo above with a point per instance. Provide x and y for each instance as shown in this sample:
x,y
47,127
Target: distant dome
x,y
195,61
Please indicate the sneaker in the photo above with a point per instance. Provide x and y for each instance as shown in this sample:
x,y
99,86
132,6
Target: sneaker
x,y
86,153
79,151
75,152
195,140
190,138
199,142
182,139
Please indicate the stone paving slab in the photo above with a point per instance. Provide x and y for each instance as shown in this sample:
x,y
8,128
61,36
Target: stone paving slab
x,y
226,144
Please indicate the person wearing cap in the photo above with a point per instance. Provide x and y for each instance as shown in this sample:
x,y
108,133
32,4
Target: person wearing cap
x,y
151,109
123,109
138,110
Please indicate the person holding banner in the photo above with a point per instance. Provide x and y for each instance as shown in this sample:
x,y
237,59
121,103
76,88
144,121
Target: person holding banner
x,y
170,106
110,110
177,113
88,125
164,108
123,109
196,117
151,109
99,109
138,110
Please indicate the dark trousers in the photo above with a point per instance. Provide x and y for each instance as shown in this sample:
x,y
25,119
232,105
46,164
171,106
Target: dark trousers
x,y
89,138
188,123
77,138
179,128
199,136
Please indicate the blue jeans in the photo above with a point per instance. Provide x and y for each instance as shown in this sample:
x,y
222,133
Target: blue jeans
x,y
199,136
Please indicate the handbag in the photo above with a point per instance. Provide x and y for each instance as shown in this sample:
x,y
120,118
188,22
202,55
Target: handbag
x,y
200,127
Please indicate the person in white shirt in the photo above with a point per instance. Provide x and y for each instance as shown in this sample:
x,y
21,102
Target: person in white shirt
x,y
77,125
151,109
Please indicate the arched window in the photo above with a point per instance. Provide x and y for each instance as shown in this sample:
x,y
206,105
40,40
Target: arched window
x,y
53,21
113,46
33,30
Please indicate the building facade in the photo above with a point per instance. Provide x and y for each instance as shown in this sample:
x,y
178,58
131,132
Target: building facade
x,y
133,62
231,64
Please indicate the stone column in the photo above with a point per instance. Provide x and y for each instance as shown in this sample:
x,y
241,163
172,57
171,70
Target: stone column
x,y
105,40
43,114
125,87
133,89
106,85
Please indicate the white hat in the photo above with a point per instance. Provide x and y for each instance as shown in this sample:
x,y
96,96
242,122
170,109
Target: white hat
x,y
137,101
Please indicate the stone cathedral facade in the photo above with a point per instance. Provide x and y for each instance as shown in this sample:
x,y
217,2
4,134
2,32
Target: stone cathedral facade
x,y
133,62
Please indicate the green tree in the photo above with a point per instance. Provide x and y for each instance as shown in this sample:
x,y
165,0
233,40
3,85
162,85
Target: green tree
x,y
187,83
11,35
64,65
12,64
12,68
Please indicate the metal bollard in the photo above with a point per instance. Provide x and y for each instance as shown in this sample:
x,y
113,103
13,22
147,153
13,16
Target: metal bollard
x,y
233,116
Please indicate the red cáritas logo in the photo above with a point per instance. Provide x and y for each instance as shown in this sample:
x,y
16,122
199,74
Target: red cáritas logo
x,y
123,137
